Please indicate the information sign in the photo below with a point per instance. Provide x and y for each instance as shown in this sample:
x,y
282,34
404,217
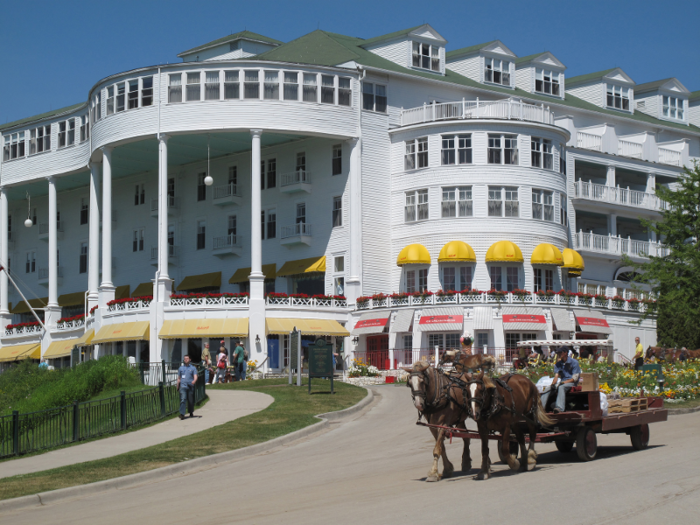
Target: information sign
x,y
321,361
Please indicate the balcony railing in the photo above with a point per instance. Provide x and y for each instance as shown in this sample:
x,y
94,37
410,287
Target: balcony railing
x,y
224,300
618,246
23,330
71,325
617,195
509,109
172,251
629,149
173,203
296,177
669,156
299,229
44,273
128,306
44,227
227,241
589,141
225,190
306,301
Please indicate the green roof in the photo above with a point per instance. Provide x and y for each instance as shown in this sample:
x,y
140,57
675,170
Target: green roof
x,y
467,50
581,79
695,95
522,60
42,116
243,35
389,36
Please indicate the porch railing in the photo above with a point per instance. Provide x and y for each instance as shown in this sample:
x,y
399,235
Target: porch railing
x,y
509,109
617,195
618,246
589,141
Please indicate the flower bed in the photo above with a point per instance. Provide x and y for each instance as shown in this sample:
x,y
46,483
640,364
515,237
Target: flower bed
x,y
21,325
197,296
361,369
65,320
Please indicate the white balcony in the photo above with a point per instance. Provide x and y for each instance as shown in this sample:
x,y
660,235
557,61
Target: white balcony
x,y
44,276
298,234
589,141
617,246
626,148
172,254
296,181
226,194
669,156
44,231
227,245
173,205
616,195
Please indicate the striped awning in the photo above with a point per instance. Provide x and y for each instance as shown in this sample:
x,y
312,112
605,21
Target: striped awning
x,y
11,353
562,320
143,290
402,322
86,339
202,328
521,318
305,326
241,275
300,266
123,332
442,319
483,318
204,280
60,348
372,323
592,321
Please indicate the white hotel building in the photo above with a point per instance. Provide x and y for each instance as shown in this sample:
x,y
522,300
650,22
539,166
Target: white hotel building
x,y
329,166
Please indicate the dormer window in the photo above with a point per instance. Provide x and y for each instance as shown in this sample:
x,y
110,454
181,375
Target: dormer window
x,y
618,97
497,71
547,82
673,107
426,56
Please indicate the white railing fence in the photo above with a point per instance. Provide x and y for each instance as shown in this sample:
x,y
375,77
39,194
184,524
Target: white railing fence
x,y
589,141
618,246
617,195
510,108
301,228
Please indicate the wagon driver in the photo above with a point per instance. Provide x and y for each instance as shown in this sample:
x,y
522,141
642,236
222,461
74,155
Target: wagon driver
x,y
566,372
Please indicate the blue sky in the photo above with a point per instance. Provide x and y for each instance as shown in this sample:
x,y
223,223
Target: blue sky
x,y
55,51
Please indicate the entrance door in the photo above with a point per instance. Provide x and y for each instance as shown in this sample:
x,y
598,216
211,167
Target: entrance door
x,y
378,351
273,352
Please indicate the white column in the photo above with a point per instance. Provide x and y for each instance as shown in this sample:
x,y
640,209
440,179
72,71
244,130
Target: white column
x,y
4,239
106,286
612,225
163,206
53,245
353,279
94,238
256,309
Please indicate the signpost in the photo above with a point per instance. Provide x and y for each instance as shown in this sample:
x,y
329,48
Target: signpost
x,y
295,354
321,361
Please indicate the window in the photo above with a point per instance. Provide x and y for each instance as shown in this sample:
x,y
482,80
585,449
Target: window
x,y
139,194
121,96
511,278
201,234
201,187
262,224
618,97
231,85
39,139
512,207
251,86
465,277
271,223
448,279
416,153
83,257
174,89
34,217
463,153
337,211
457,202
14,146
96,108
544,279
543,205
309,91
137,243
495,202
541,153
339,285
327,89
171,191
547,82
344,92
193,89
503,149
232,225
301,162
84,128
563,210
71,132
408,342
291,86
133,100
495,274
233,178
271,173
146,91
339,264
62,134
110,97
503,199
497,71
374,97
212,86
301,213
337,167
272,85
84,210
416,205
426,56
30,266
673,107
482,339
416,280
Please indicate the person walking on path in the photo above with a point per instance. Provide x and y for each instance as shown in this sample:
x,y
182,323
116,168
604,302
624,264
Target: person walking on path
x,y
239,360
221,364
638,354
186,380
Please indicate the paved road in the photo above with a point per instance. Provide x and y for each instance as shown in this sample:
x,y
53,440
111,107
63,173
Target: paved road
x,y
223,406
371,469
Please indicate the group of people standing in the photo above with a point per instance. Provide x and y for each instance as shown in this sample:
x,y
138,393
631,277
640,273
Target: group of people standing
x,y
239,361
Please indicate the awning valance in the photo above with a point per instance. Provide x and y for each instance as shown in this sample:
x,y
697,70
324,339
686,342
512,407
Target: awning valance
x,y
371,323
562,320
309,265
442,320
122,292
520,318
546,253
86,339
71,299
592,321
60,348
402,322
413,254
456,251
143,290
504,251
573,261
22,307
122,332
204,280
241,275
202,328
306,326
14,352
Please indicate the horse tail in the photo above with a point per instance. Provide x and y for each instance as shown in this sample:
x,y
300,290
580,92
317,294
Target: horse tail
x,y
541,416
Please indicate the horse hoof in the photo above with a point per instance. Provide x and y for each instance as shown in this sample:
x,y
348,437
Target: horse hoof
x,y
482,476
531,465
447,473
466,467
515,465
433,477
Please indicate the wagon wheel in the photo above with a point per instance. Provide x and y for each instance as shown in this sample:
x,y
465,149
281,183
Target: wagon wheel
x,y
640,436
586,444
514,449
564,446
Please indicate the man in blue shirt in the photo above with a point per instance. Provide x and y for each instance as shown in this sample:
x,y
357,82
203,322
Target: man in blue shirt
x,y
567,372
186,380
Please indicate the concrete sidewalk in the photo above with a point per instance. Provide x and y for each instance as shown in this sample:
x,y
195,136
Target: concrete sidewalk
x,y
223,406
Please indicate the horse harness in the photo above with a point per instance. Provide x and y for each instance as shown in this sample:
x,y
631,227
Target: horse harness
x,y
498,401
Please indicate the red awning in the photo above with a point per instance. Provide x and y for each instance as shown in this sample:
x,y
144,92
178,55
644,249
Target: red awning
x,y
449,319
371,323
592,321
521,318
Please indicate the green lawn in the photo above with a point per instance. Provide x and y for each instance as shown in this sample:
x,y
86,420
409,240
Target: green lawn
x,y
293,408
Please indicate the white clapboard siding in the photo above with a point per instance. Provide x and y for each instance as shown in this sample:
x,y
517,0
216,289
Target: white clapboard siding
x,y
593,92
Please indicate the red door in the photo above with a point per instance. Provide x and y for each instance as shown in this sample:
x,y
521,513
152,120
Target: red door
x,y
378,351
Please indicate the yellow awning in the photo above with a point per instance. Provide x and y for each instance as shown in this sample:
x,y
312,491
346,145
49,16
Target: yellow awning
x,y
573,260
71,299
201,328
205,280
86,339
11,353
60,348
306,326
309,265
22,307
457,251
143,290
574,273
546,253
241,275
413,254
122,292
504,251
122,332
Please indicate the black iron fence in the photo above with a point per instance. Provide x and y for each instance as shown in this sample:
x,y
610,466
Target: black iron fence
x,y
33,431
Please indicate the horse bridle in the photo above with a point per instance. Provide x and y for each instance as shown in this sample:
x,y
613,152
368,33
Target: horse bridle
x,y
428,404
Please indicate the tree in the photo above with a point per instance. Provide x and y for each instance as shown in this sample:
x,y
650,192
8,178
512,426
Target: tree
x,y
675,277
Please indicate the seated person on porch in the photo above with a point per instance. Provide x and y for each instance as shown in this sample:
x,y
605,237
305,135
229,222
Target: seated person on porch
x,y
566,374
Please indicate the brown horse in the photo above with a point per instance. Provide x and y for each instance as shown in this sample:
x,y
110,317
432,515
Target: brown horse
x,y
500,405
464,361
441,402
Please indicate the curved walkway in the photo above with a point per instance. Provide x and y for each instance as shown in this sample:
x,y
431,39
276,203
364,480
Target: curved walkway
x,y
223,406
